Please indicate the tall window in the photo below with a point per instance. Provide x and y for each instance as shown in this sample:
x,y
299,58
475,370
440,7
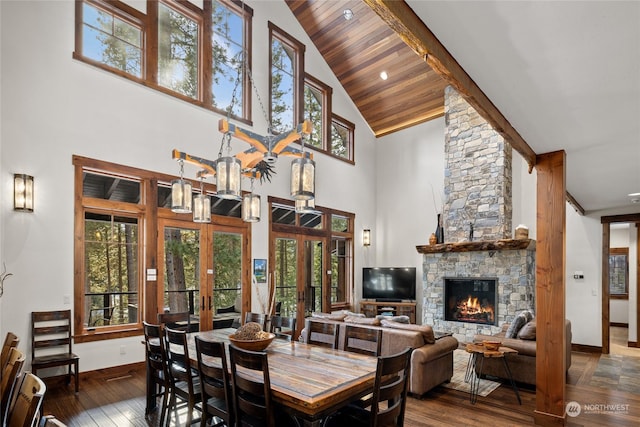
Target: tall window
x,y
342,138
287,59
317,108
178,48
619,273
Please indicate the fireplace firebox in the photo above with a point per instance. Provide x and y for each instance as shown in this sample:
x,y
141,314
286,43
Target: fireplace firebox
x,y
470,299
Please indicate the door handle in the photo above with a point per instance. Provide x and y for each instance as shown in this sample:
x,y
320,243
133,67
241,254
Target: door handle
x,y
209,302
202,305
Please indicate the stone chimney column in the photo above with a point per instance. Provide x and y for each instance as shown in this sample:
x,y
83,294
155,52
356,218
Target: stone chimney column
x,y
477,181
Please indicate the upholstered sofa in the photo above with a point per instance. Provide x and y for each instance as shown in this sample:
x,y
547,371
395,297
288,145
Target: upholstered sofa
x,y
431,360
523,364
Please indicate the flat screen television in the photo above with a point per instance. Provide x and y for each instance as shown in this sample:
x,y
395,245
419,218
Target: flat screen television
x,y
389,283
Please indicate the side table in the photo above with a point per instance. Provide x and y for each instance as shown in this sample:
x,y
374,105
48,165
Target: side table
x,y
473,375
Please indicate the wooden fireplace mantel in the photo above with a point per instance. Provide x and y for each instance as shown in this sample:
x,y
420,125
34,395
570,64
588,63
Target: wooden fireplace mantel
x,y
480,245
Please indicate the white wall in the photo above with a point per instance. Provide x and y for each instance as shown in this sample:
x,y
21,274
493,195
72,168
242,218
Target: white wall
x,y
54,107
410,170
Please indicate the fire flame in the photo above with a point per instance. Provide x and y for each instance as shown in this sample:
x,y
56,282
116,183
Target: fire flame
x,y
472,308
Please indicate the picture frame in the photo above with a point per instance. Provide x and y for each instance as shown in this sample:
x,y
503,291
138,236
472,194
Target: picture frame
x,y
260,270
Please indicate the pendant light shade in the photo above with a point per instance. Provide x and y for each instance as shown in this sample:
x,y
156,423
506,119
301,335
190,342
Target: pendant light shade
x,y
228,177
251,207
201,208
303,178
180,196
305,206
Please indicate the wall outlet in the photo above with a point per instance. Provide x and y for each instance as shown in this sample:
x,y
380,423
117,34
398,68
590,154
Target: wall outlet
x,y
123,350
66,299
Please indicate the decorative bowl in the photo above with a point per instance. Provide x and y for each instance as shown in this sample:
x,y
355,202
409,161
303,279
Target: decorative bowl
x,y
252,345
491,345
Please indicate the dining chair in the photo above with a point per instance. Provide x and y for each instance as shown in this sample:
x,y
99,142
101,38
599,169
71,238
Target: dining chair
x,y
324,334
257,318
10,374
25,407
251,387
11,340
158,383
51,343
283,327
389,396
184,380
363,340
180,320
215,382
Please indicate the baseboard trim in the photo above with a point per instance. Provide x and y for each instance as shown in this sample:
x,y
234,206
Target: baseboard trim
x,y
619,325
633,344
107,374
586,348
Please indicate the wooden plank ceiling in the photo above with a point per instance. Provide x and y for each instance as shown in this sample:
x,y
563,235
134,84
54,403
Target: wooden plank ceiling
x,y
358,50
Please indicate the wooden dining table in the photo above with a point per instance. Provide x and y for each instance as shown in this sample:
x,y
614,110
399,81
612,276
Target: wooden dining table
x,y
308,381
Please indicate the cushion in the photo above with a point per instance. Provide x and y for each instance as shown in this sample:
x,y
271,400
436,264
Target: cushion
x,y
399,319
520,320
331,316
425,330
362,320
528,331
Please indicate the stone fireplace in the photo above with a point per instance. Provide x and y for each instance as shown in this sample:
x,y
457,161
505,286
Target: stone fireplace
x,y
478,247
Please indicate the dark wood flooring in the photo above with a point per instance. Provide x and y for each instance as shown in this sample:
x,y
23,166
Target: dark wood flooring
x,y
116,398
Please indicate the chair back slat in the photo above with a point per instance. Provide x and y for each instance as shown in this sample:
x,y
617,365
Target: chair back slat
x,y
251,386
363,340
178,321
320,333
259,318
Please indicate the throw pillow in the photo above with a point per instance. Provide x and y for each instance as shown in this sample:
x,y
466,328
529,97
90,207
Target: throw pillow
x,y
517,324
528,331
425,330
362,320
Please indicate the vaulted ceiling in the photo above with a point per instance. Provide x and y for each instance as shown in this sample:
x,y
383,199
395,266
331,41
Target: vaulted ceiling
x,y
547,75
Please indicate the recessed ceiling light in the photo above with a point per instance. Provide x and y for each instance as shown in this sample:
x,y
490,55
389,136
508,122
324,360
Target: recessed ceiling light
x,y
348,14
384,75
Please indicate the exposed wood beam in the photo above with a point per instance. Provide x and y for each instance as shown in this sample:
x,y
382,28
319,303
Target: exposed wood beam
x,y
573,202
413,31
550,289
435,113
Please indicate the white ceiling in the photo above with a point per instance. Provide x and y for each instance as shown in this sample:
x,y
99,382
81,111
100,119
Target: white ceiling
x,y
566,74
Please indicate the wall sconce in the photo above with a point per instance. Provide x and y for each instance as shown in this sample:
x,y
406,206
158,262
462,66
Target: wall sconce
x,y
366,237
22,192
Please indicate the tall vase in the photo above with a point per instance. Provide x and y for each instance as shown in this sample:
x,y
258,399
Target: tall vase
x,y
439,231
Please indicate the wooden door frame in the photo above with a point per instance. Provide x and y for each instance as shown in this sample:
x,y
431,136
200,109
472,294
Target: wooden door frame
x,y
606,237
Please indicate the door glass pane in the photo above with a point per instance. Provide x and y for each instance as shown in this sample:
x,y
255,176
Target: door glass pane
x,y
312,276
182,270
339,270
227,283
285,276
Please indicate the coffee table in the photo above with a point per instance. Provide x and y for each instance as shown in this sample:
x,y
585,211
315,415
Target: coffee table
x,y
474,375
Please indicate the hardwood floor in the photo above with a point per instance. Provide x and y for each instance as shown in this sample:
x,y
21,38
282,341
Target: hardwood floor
x,y
116,398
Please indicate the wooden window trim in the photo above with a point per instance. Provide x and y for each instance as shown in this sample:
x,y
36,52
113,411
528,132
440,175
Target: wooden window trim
x,y
327,94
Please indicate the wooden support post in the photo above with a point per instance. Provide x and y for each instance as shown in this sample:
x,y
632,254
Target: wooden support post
x,y
550,289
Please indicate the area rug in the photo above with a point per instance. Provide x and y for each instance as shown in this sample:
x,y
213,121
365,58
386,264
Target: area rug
x,y
460,360
617,372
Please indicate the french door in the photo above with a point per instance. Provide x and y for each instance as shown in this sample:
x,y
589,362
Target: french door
x,y
202,268
297,265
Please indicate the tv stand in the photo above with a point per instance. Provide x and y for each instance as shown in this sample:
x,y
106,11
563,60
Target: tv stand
x,y
373,308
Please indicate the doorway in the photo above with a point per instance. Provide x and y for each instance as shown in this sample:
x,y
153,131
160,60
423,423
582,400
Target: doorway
x,y
298,264
202,268
613,292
